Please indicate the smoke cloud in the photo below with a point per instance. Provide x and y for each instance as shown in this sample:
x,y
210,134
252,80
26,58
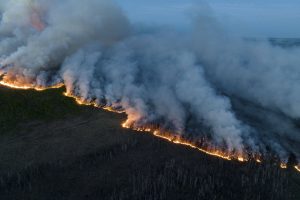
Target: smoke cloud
x,y
242,94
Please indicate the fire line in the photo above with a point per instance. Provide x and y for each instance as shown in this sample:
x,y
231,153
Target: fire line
x,y
156,133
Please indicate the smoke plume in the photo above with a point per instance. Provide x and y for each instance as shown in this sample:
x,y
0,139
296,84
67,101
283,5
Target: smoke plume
x,y
241,94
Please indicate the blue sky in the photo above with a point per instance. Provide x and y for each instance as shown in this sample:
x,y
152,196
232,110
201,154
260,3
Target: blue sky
x,y
255,18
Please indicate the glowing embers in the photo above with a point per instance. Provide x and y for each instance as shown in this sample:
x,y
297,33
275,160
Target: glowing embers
x,y
283,165
258,160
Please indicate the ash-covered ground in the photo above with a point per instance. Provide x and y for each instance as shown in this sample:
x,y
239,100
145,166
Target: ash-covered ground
x,y
51,148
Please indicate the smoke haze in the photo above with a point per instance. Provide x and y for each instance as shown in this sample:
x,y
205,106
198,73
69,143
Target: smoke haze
x,y
242,94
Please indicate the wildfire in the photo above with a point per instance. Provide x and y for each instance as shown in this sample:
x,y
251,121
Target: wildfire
x,y
79,101
213,152
180,141
216,153
83,102
176,139
297,167
283,165
28,86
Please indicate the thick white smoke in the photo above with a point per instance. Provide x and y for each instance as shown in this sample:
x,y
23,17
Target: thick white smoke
x,y
51,31
244,94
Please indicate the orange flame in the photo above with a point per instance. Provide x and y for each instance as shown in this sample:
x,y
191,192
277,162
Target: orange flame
x,y
83,102
29,86
215,153
283,166
180,141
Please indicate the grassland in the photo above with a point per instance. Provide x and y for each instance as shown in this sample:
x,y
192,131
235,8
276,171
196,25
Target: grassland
x,y
51,148
17,107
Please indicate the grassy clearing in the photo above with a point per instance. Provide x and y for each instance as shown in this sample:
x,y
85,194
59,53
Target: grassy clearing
x,y
18,106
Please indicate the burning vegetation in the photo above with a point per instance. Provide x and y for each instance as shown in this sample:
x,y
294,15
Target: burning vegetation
x,y
203,145
242,105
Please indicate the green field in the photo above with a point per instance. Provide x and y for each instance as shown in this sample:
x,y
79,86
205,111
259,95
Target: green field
x,y
18,107
51,148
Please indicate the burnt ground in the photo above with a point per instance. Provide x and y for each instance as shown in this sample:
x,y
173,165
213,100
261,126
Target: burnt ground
x,y
51,148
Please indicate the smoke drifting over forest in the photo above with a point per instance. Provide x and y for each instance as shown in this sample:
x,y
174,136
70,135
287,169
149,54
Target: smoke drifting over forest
x,y
241,94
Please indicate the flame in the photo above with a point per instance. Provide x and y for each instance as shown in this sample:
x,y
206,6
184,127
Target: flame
x,y
29,86
176,139
80,101
297,167
283,166
215,153
83,102
180,141
241,159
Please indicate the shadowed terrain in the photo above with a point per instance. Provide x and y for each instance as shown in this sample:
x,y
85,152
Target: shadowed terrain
x,y
51,148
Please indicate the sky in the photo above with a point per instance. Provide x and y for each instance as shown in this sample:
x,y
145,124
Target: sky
x,y
255,18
